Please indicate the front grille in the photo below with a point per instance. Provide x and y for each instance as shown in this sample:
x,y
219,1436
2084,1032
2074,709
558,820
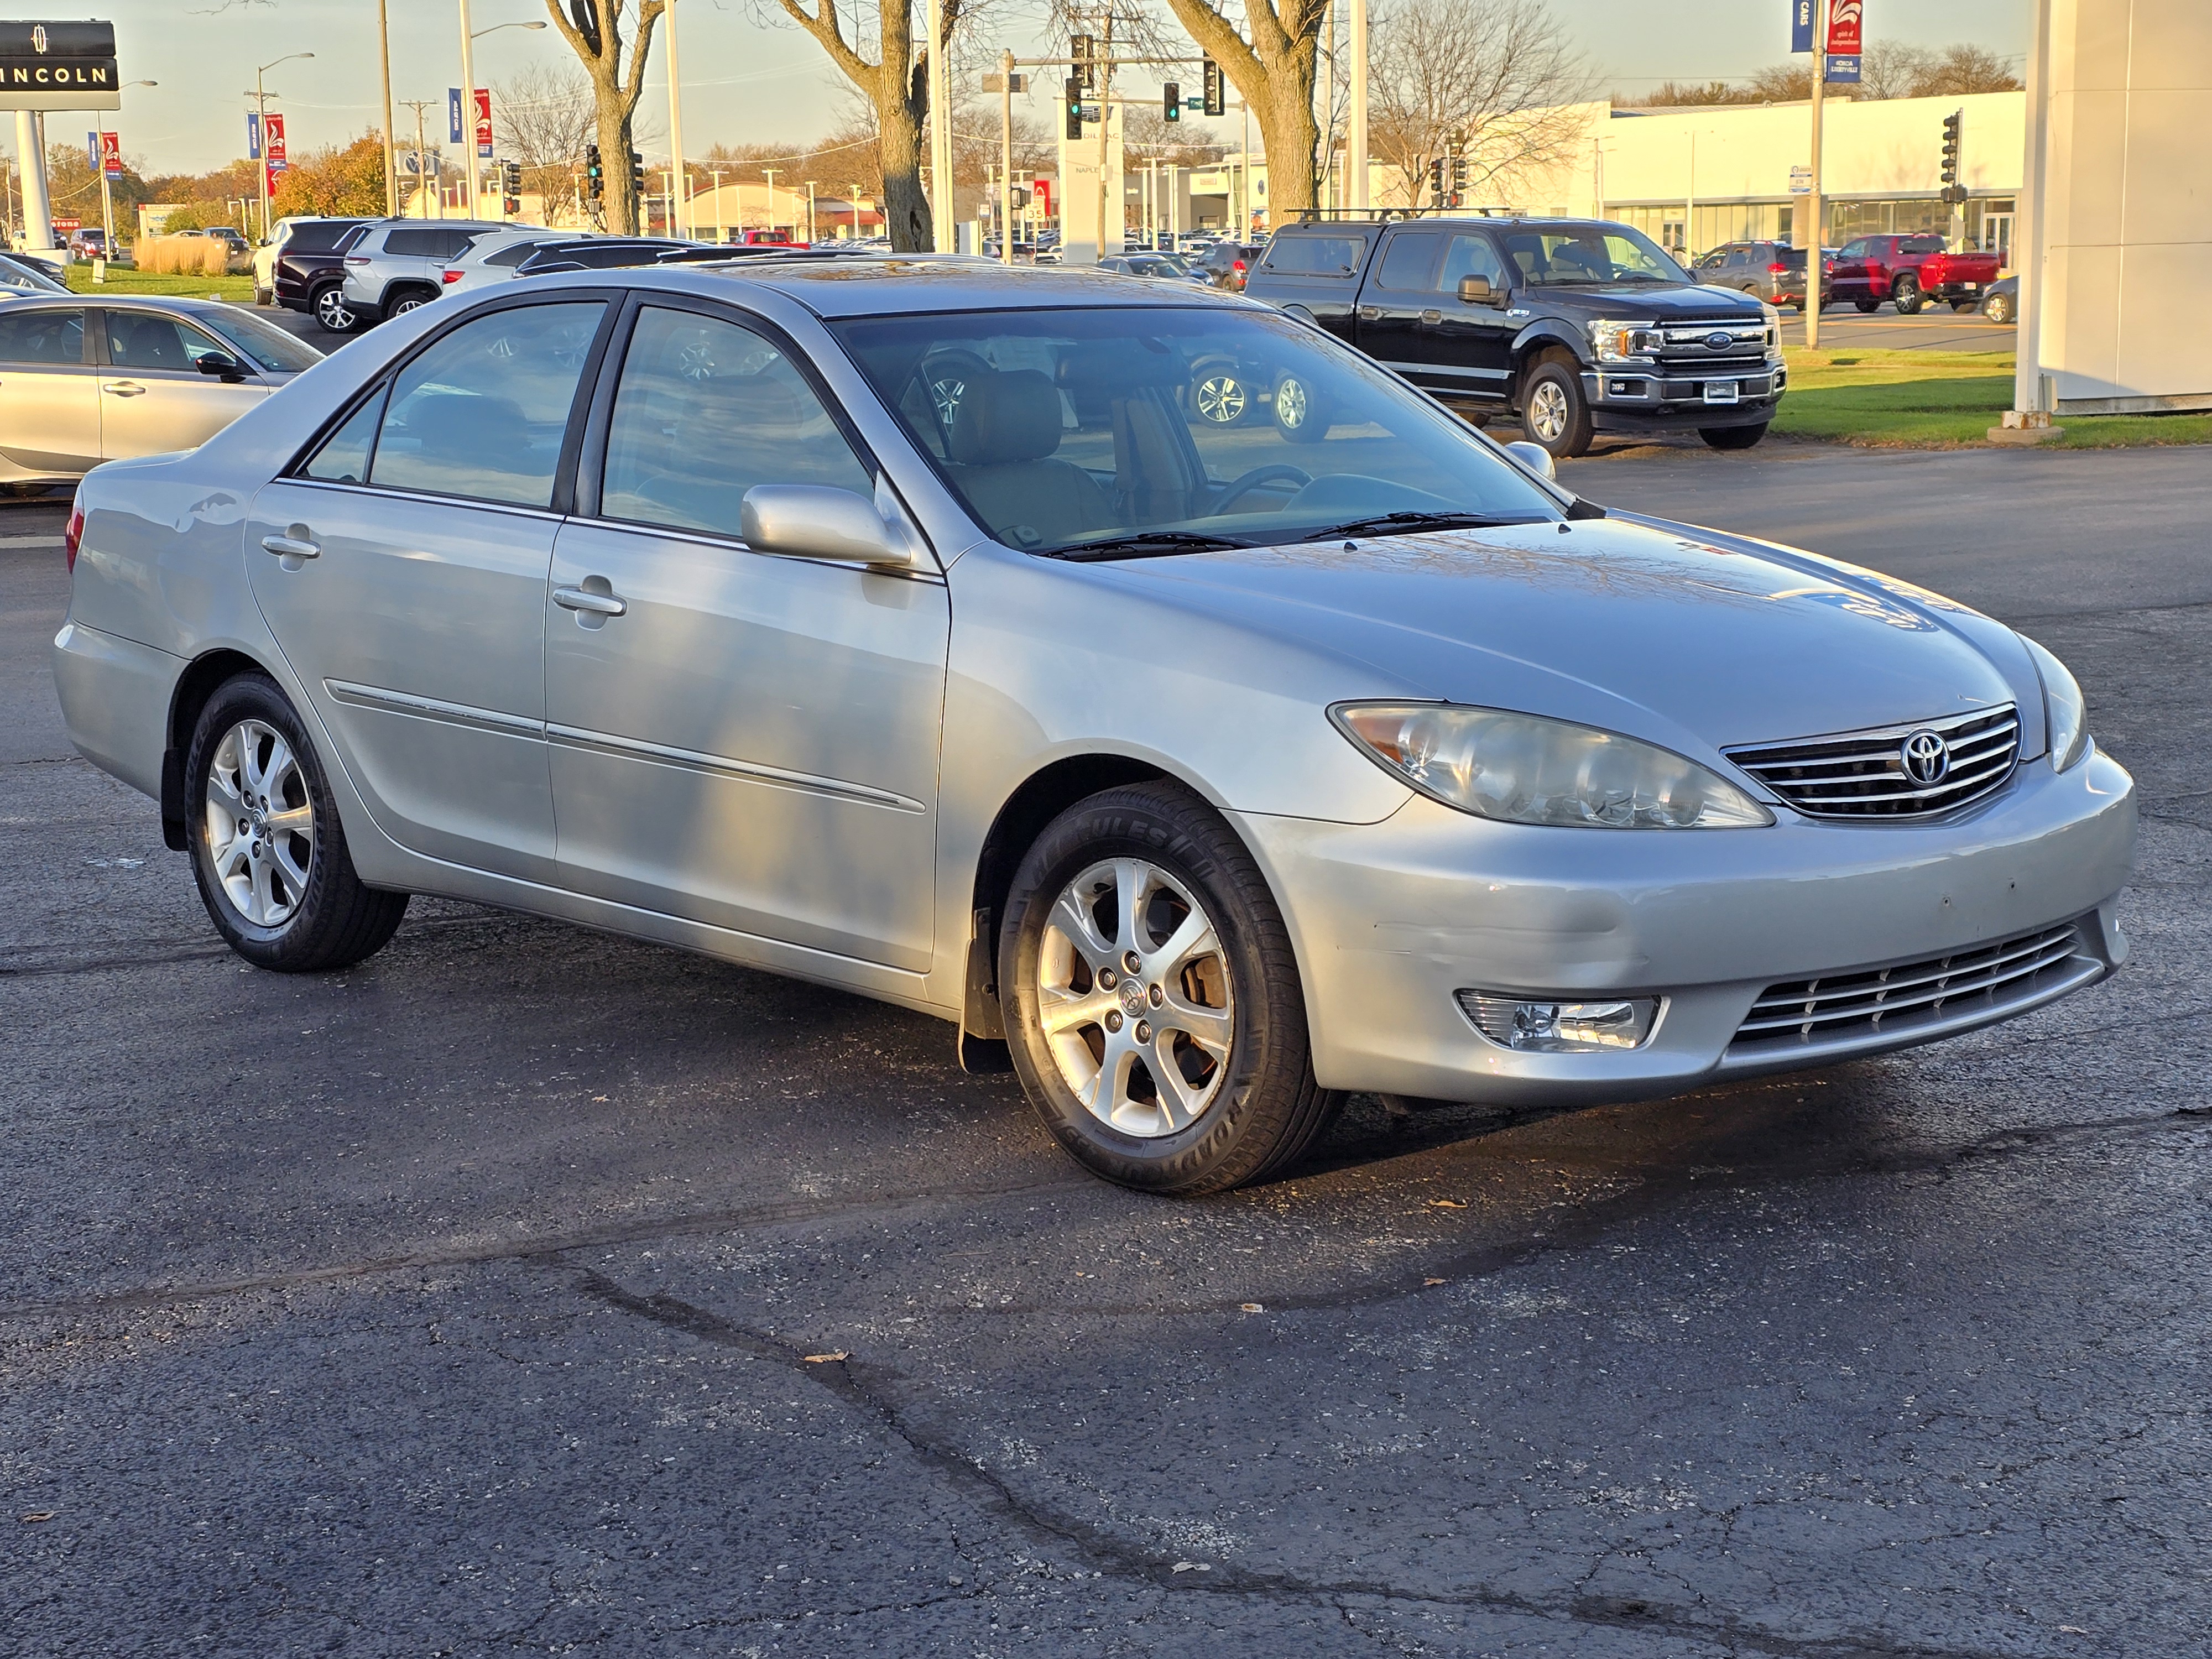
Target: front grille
x,y
1861,775
1896,1001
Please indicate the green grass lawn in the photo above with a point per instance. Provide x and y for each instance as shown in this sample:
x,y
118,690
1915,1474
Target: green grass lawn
x,y
1939,400
121,280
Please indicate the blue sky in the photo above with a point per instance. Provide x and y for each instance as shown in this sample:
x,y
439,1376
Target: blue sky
x,y
746,82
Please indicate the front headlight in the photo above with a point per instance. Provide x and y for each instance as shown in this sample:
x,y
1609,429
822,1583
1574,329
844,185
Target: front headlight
x,y
2065,715
1523,768
1773,316
1619,343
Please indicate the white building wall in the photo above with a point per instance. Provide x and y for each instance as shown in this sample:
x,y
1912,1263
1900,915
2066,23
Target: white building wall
x,y
2128,229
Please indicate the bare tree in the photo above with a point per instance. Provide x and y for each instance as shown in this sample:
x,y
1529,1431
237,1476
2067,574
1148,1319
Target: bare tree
x,y
1273,71
594,31
1499,73
1784,84
547,117
1888,69
1963,69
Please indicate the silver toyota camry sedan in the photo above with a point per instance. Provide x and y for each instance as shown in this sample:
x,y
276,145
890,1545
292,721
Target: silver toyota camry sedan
x,y
909,628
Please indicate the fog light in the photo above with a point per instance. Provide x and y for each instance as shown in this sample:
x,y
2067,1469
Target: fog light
x,y
1560,1028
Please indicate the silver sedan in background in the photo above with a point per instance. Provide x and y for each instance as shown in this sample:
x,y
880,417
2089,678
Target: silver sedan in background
x,y
85,380
907,627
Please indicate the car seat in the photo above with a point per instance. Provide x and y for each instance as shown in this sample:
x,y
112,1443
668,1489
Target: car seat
x,y
1004,434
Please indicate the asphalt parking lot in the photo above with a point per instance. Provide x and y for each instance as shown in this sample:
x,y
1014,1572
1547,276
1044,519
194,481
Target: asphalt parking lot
x,y
524,1290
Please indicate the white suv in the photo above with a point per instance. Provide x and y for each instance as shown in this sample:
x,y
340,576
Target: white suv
x,y
400,264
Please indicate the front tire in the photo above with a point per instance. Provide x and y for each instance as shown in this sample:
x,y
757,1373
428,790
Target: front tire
x,y
1152,1003
1904,293
1553,411
1997,307
1732,437
1302,414
1870,306
267,849
332,313
1221,395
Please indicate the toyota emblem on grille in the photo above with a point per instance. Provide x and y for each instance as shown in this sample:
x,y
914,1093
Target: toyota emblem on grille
x,y
1719,341
1925,757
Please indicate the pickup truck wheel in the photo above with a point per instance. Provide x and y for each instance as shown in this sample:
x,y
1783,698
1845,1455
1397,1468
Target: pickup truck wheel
x,y
268,851
1153,1001
331,312
1732,437
1868,306
1904,293
1553,412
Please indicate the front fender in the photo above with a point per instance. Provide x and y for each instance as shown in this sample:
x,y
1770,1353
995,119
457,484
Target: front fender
x,y
1544,332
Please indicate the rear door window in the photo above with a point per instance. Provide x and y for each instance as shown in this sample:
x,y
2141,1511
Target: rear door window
x,y
482,413
1407,259
49,336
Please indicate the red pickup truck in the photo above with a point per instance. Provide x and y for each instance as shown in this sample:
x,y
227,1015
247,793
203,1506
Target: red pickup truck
x,y
1908,270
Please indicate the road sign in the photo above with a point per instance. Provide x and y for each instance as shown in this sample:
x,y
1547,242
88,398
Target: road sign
x,y
1800,181
1041,194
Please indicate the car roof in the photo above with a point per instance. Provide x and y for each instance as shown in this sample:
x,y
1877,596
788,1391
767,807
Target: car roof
x,y
872,285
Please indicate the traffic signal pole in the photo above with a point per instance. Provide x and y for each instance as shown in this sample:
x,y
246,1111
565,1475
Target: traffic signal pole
x,y
1006,157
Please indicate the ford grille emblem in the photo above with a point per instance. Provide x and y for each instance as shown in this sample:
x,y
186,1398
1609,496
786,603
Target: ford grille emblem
x,y
1925,757
1718,343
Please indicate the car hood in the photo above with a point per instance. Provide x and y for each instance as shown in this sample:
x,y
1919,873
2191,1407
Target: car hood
x,y
1694,641
1645,302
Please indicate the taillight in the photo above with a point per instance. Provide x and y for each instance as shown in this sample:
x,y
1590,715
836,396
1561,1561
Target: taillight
x,y
73,534
1240,266
1777,270
357,258
453,275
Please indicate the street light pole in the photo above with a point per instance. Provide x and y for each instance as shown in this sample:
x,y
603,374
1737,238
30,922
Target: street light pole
x,y
469,105
260,97
675,125
391,140
1355,140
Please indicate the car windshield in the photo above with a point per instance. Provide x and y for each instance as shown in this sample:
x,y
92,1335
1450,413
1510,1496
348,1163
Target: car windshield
x,y
264,344
1123,432
1563,259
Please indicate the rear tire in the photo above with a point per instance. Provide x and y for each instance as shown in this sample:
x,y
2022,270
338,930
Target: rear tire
x,y
267,849
332,314
1553,412
1203,981
1904,293
413,298
1732,437
1868,306
1302,414
1997,307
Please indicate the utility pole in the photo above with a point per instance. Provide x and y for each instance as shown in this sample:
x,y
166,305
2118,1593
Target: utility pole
x,y
1006,155
469,107
719,235
1355,140
390,155
1809,237
810,210
675,121
856,213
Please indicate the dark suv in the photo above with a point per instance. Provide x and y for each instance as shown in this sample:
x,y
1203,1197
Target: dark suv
x,y
1772,271
1229,265
1577,325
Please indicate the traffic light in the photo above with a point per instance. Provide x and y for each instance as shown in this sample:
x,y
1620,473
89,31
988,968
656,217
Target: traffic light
x,y
1071,107
1437,180
1079,48
1950,148
1217,91
594,174
1172,101
1458,176
510,179
637,173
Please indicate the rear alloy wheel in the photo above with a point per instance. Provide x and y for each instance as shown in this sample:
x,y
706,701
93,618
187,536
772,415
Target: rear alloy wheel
x,y
333,311
415,299
1301,415
1220,396
1997,307
1732,437
1904,293
1152,1002
267,849
1553,412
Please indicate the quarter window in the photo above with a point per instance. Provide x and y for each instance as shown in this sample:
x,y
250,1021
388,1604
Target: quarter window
x,y
705,410
483,411
344,458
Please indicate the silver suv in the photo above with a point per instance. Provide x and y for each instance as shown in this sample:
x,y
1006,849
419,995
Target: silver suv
x,y
400,264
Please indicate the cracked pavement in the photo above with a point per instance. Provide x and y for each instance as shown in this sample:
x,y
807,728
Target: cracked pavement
x,y
527,1290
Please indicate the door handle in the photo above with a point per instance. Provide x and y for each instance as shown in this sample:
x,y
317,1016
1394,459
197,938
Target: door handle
x,y
598,605
124,389
1370,313
1432,316
291,547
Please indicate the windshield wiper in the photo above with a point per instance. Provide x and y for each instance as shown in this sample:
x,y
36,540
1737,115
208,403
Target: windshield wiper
x,y
1391,524
1148,543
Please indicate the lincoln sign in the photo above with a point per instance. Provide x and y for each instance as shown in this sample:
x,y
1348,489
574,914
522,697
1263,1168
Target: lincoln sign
x,y
58,66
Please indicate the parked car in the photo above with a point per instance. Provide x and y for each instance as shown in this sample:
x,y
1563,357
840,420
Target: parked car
x,y
22,277
91,381
1772,271
88,242
765,239
1227,265
678,603
303,268
1157,265
2001,301
50,264
1579,325
551,257
1908,270
495,258
395,266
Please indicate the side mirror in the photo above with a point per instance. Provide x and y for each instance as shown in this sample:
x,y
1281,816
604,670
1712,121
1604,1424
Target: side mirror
x,y
1477,291
216,363
810,521
1534,457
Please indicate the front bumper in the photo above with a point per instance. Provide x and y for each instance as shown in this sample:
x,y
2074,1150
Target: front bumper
x,y
1391,919
1632,396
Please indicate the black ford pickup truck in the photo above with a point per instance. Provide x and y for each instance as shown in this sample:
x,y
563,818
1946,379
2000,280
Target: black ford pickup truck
x,y
1579,325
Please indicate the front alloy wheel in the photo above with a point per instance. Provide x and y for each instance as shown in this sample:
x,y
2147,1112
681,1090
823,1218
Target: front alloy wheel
x,y
333,311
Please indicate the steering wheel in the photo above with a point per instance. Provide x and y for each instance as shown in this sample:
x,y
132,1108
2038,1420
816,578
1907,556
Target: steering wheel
x,y
1252,480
